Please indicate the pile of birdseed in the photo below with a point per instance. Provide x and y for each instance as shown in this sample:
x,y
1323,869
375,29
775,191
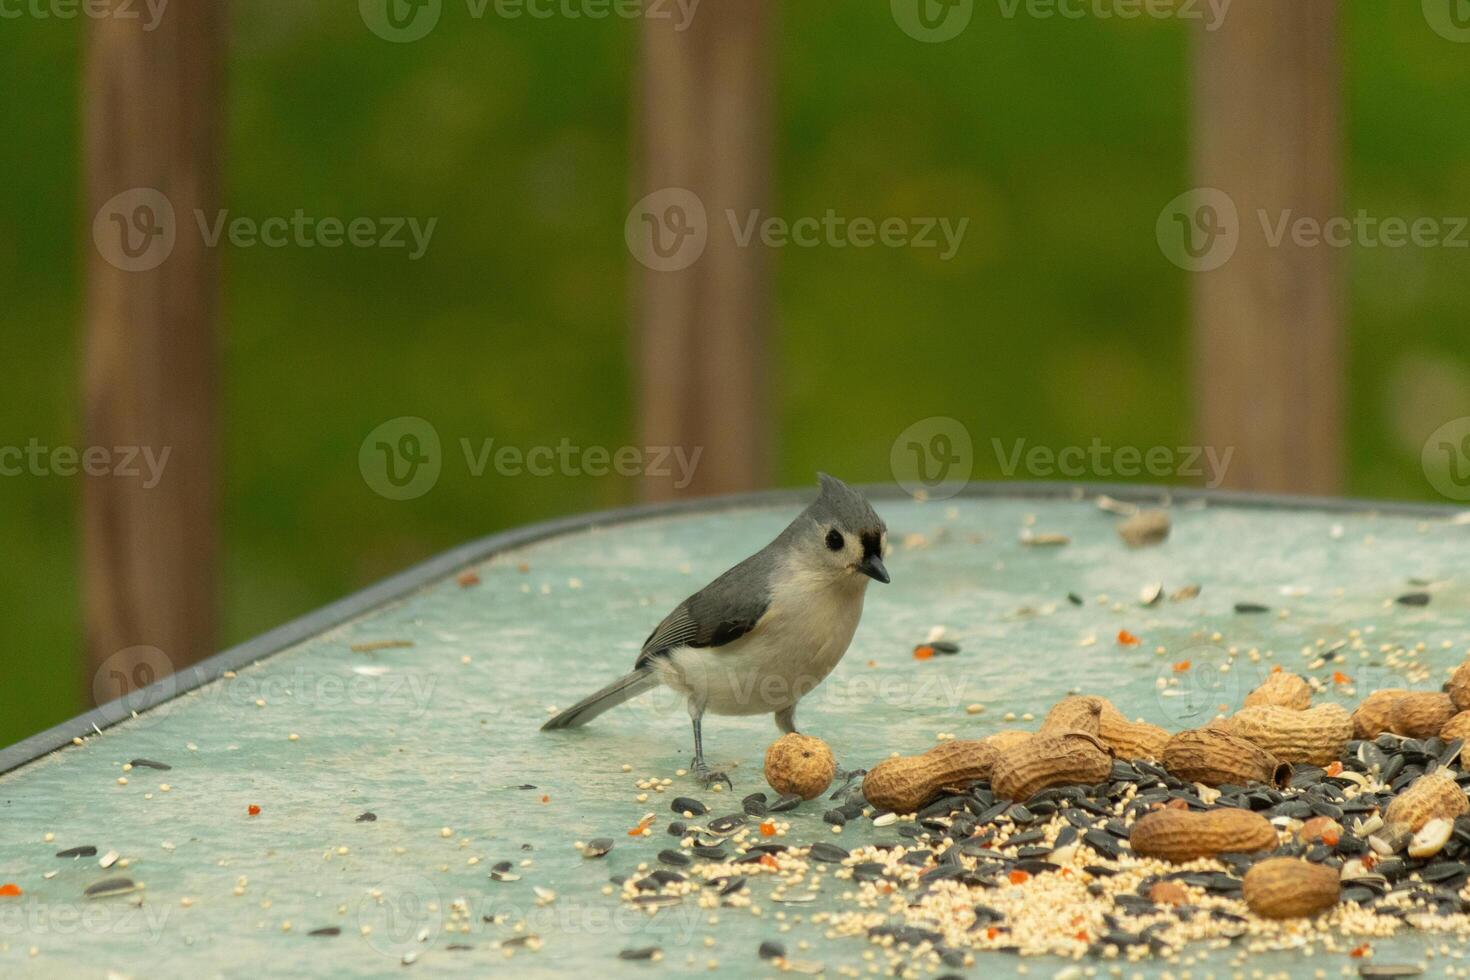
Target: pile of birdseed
x,y
1055,875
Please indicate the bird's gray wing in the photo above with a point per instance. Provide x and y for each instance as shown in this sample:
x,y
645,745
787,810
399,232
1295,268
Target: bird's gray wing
x,y
723,611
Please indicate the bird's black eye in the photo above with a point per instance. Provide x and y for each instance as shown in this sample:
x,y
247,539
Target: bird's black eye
x,y
834,539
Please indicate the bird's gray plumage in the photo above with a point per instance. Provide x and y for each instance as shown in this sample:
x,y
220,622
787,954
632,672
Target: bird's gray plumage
x,y
731,605
734,605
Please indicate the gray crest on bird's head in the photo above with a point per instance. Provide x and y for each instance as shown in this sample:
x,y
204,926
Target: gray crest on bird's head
x,y
844,506
839,535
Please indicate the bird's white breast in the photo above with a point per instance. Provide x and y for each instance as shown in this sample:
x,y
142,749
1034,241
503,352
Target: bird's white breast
x,y
803,634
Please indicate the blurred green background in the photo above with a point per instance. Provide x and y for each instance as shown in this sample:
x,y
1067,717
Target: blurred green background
x,y
1058,321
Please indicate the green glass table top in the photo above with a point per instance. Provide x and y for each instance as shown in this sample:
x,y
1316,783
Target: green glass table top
x,y
424,713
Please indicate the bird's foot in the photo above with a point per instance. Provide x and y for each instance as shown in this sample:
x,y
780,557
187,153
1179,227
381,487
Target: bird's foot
x,y
707,776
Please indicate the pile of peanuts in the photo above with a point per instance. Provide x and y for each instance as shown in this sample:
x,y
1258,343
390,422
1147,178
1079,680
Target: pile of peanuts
x,y
1275,730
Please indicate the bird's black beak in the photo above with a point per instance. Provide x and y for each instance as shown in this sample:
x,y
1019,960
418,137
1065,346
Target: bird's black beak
x,y
872,567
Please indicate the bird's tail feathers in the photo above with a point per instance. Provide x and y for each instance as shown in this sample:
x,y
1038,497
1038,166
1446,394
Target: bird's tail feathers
x,y
624,688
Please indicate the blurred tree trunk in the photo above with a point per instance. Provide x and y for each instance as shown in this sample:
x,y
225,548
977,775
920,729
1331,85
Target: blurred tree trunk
x,y
154,100
705,118
1268,130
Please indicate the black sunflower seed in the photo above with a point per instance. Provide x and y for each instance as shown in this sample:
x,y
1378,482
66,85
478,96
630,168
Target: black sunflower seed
x,y
676,858
1251,607
111,886
732,885
85,851
639,953
830,853
326,931
1105,844
784,802
772,950
1413,599
683,806
723,825
367,817
754,808
150,764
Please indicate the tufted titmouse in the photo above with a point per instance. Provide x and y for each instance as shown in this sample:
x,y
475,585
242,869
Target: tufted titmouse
x,y
762,635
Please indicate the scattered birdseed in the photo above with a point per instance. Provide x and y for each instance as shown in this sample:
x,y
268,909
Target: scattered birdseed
x,y
149,764
84,851
367,817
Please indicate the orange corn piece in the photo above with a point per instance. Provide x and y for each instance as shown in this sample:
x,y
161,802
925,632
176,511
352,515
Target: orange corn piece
x,y
923,652
1127,639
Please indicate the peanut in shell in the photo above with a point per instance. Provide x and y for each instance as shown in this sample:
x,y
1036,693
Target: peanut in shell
x,y
1283,689
1047,760
1457,727
1290,888
1421,714
1218,758
1185,835
800,764
1373,715
1074,714
1459,686
905,784
1434,795
1130,739
1316,736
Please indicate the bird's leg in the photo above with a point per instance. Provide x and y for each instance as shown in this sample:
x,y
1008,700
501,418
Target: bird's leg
x,y
698,766
786,721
